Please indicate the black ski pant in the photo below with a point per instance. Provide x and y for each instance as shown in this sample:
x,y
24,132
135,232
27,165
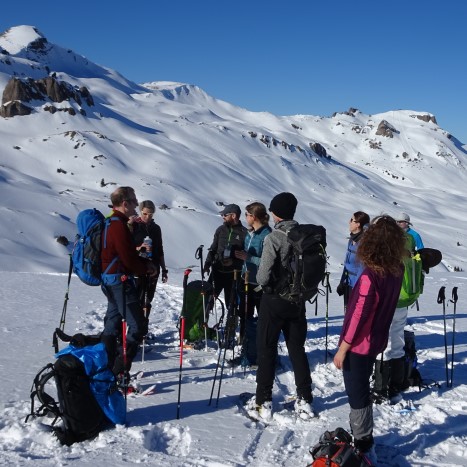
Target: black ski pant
x,y
223,281
277,315
146,287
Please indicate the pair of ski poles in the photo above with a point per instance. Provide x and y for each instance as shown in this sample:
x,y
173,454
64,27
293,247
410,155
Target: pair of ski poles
x,y
442,299
230,328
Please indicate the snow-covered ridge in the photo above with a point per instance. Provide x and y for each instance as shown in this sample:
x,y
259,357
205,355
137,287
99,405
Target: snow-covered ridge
x,y
187,150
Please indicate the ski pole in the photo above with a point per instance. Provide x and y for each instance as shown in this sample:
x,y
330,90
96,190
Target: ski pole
x,y
199,255
124,342
61,326
182,337
328,291
227,339
233,296
145,299
453,300
442,299
245,337
234,308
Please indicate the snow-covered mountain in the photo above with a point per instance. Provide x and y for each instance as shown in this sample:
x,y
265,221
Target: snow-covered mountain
x,y
72,130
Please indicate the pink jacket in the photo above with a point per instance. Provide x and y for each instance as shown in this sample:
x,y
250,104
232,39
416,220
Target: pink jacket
x,y
370,310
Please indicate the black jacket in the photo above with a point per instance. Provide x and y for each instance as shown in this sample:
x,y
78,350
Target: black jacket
x,y
151,229
226,237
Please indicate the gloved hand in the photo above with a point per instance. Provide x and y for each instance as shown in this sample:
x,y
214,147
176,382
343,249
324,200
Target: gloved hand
x,y
340,289
165,276
206,269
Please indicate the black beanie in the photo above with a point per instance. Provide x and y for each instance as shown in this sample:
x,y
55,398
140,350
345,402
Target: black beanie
x,y
283,205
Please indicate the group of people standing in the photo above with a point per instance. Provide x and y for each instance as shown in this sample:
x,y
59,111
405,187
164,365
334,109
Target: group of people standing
x,y
370,284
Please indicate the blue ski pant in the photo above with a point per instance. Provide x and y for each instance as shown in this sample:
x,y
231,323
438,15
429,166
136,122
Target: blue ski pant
x,y
137,327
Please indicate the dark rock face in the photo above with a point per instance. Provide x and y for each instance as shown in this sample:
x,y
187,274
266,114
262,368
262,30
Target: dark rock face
x,y
386,129
428,118
12,109
318,149
46,89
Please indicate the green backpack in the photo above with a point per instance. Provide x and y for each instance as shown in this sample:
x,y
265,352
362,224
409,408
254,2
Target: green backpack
x,y
412,282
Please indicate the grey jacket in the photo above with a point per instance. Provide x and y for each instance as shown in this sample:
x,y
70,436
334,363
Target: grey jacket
x,y
275,250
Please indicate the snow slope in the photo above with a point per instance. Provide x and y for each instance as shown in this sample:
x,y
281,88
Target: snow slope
x,y
206,435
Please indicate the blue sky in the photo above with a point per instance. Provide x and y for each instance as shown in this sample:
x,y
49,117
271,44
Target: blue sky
x,y
295,57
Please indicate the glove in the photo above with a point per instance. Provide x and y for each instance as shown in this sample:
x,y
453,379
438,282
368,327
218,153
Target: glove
x,y
165,275
206,269
340,289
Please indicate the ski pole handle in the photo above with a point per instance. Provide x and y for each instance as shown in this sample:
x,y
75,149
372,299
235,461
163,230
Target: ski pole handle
x,y
442,294
199,255
454,295
199,252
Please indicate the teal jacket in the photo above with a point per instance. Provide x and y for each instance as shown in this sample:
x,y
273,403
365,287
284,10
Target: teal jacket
x,y
254,248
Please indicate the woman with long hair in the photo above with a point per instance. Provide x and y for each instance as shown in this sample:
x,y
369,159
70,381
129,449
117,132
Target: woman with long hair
x,y
352,266
366,324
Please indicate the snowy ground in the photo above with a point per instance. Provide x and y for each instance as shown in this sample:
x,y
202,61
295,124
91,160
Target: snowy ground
x,y
434,434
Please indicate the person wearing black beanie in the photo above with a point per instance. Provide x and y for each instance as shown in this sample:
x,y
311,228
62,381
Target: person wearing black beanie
x,y
278,315
284,205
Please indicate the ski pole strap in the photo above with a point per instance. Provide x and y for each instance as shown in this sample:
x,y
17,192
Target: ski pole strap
x,y
454,295
442,294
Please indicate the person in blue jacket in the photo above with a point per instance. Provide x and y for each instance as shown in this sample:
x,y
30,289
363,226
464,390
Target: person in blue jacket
x,y
257,220
404,222
352,266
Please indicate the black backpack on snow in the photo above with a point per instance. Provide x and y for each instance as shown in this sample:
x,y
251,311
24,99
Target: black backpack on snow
x,y
79,389
77,407
305,264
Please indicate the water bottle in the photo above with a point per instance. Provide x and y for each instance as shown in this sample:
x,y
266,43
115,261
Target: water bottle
x,y
148,242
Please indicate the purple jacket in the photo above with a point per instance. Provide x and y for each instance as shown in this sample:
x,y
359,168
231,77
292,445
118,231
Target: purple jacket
x,y
370,310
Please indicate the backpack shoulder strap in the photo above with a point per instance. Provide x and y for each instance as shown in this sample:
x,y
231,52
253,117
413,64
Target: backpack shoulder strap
x,y
107,222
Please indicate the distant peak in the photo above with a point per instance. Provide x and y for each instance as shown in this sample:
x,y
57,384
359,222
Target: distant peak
x,y
18,38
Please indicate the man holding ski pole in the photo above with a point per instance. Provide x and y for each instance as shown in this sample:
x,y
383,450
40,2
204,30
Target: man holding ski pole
x,y
119,258
221,259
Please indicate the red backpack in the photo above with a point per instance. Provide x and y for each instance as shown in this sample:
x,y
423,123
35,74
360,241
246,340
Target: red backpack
x,y
335,449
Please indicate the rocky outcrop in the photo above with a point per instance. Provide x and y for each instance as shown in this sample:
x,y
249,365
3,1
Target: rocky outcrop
x,y
386,129
318,149
18,91
351,112
427,118
12,109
